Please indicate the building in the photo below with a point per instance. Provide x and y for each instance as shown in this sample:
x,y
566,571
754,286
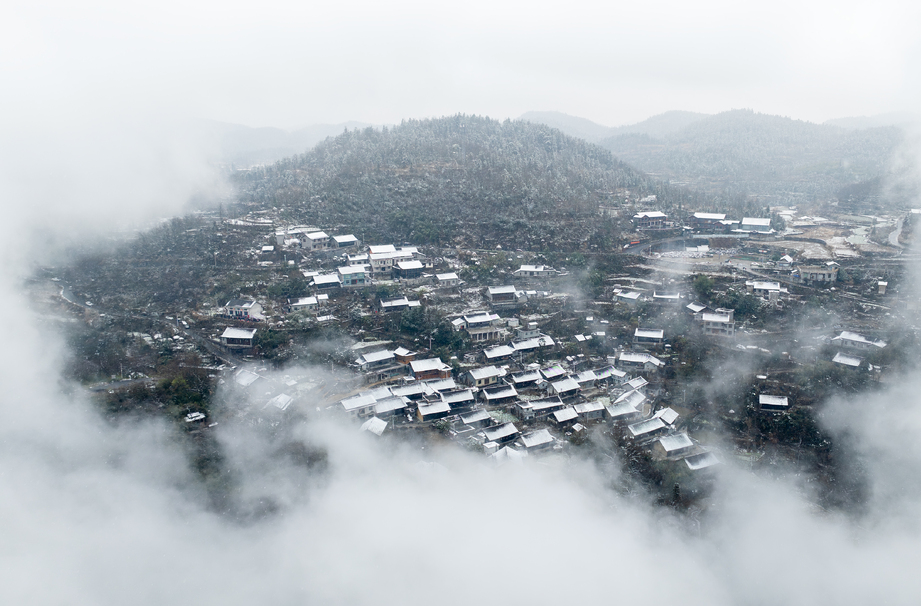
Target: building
x,y
502,295
704,220
347,241
644,430
721,323
431,368
773,403
537,441
448,280
408,270
433,411
650,220
816,273
534,271
244,309
316,240
852,340
238,337
326,282
502,434
353,276
675,446
398,304
483,377
755,224
648,336
641,362
481,327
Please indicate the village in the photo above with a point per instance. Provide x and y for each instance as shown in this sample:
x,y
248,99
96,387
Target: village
x,y
502,353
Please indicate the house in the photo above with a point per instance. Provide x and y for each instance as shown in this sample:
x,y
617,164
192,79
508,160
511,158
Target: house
x,y
347,241
642,362
316,240
645,430
754,224
353,276
702,220
525,379
431,368
538,409
477,419
534,271
720,323
590,411
483,377
361,405
408,270
666,298
373,360
310,304
381,249
629,409
564,417
500,296
701,461
481,327
398,304
388,407
502,434
846,360
382,263
650,220
433,411
668,416
586,378
674,446
564,388
326,281
537,441
773,403
695,308
529,345
504,394
238,337
448,280
243,309
852,340
459,400
648,336
374,425
610,374
403,355
816,273
498,353
761,288
629,297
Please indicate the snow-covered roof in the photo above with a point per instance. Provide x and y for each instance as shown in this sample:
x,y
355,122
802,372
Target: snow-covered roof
x,y
668,415
281,401
502,431
238,333
701,461
710,216
765,399
567,414
485,372
678,441
407,265
446,277
648,333
645,427
374,425
857,338
842,358
428,364
536,438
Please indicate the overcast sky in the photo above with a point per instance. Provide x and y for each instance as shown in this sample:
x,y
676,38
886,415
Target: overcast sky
x,y
298,63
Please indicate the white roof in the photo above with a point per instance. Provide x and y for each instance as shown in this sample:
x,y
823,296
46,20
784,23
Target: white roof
x,y
238,333
536,438
720,318
701,461
672,296
455,397
652,214
761,285
440,384
317,235
526,377
585,376
567,384
245,378
502,431
346,238
304,301
498,351
375,356
649,333
268,249
479,318
567,414
374,425
587,407
756,221
353,269
428,364
552,372
640,358
445,277
541,341
356,402
434,408
621,409
533,268
383,248
501,290
773,400
644,427
710,216
485,372
632,399
678,441
326,279
637,382
847,360
632,295
667,414
475,417
538,405
498,393
406,265
281,401
390,404
853,336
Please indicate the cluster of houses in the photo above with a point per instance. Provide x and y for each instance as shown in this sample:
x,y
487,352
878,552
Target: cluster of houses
x,y
852,344
652,220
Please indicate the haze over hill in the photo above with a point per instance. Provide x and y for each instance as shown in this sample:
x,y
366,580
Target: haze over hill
x,y
434,181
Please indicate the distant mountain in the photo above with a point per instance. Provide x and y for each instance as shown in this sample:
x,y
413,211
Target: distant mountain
x,y
460,179
246,146
656,126
573,126
880,120
779,159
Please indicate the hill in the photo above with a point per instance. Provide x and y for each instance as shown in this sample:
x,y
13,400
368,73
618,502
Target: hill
x,y
459,179
778,159
656,126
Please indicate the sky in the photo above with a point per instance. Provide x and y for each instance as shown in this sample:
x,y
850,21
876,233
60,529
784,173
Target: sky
x,y
92,98
290,64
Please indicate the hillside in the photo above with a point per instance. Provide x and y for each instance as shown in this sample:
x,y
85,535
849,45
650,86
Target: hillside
x,y
778,159
657,126
459,179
